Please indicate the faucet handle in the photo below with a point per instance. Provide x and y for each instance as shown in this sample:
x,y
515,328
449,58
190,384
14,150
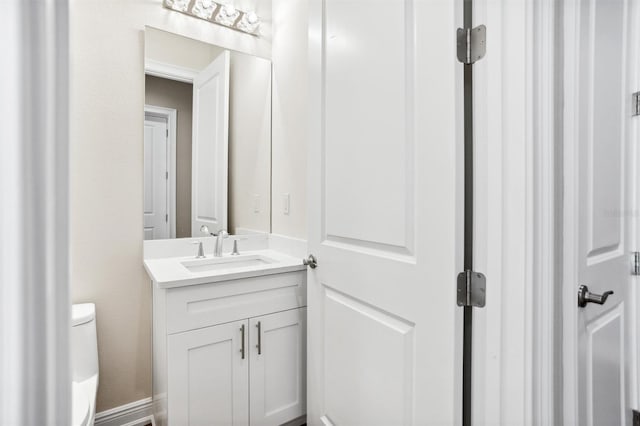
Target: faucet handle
x,y
235,251
200,254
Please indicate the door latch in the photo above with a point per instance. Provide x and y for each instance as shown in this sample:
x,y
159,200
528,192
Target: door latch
x,y
311,262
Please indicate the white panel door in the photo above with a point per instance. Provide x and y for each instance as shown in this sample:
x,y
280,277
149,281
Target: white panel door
x,y
602,182
210,145
278,356
156,190
208,382
384,213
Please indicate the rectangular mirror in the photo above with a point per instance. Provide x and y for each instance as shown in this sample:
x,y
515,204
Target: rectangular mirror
x,y
207,139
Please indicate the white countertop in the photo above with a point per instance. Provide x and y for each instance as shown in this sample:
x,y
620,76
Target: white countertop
x,y
170,272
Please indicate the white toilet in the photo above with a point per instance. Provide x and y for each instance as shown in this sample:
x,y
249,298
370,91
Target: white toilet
x,y
84,364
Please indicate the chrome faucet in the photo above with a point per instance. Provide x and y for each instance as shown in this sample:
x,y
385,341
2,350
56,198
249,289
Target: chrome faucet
x,y
220,236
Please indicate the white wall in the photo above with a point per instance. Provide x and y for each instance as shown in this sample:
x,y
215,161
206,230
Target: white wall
x,y
166,47
290,106
106,172
249,144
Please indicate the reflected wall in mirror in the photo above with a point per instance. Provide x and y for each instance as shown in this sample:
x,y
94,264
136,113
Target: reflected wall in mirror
x,y
207,138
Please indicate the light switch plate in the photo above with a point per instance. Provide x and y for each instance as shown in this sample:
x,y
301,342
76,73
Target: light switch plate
x,y
256,203
286,200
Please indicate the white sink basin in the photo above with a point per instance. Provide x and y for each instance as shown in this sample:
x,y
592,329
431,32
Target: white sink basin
x,y
170,272
227,262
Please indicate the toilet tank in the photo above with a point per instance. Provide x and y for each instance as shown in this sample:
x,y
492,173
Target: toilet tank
x,y
84,343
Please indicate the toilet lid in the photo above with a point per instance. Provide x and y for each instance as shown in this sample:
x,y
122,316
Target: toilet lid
x,y
79,407
82,312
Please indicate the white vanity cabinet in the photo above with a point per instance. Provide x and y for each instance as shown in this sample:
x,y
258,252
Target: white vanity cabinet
x,y
277,364
231,352
208,378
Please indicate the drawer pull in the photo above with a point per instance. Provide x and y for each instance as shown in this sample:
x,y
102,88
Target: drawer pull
x,y
242,344
259,345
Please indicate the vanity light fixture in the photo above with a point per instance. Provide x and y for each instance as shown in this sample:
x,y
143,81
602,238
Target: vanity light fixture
x,y
223,14
228,15
249,22
179,5
203,9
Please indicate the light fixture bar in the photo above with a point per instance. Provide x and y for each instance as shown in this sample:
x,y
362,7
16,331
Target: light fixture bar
x,y
224,14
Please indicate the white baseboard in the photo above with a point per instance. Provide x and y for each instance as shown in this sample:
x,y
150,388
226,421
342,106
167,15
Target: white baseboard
x,y
137,413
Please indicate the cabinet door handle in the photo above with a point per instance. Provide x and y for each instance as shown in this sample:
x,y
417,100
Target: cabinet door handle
x,y
242,344
259,345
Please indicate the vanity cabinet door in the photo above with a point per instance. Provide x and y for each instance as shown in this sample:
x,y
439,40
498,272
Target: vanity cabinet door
x,y
208,376
278,370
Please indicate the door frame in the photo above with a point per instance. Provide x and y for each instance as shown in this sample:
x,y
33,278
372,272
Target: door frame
x,y
570,210
570,142
171,116
169,71
515,342
633,326
541,287
35,302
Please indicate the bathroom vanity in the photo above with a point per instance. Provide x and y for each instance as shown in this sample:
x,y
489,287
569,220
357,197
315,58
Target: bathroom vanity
x,y
229,339
228,330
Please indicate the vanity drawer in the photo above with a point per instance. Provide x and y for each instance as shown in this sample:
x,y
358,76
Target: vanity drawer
x,y
203,305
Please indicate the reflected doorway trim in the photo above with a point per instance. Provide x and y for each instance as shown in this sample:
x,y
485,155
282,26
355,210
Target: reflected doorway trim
x,y
169,71
172,116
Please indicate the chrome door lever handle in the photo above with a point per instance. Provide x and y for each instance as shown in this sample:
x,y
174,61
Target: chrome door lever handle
x,y
311,262
585,296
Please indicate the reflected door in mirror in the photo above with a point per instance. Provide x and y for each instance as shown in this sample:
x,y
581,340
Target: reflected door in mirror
x,y
210,148
156,225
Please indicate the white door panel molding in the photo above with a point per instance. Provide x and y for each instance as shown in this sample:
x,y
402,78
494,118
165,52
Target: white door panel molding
x,y
383,222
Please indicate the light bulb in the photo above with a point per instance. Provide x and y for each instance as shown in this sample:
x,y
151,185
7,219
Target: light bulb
x,y
249,22
252,18
203,9
227,15
179,5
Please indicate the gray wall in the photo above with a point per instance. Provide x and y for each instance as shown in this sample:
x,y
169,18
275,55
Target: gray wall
x,y
177,95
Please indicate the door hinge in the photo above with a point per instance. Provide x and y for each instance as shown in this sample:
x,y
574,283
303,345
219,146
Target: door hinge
x,y
636,104
472,289
635,263
166,217
166,175
472,44
167,133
